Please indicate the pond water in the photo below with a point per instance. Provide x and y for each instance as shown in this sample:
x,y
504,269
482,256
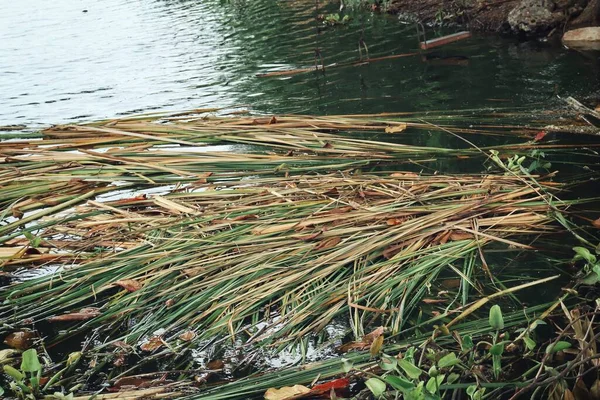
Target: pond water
x,y
69,60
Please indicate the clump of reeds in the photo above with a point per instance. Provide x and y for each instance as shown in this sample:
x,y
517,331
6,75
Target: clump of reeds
x,y
159,250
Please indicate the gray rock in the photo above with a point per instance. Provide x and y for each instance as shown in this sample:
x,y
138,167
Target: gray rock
x,y
584,38
533,17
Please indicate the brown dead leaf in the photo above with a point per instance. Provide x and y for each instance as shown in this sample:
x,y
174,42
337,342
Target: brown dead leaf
x,y
215,365
580,390
401,127
376,346
131,382
451,283
596,223
404,175
455,236
121,345
443,237
155,342
16,213
396,221
21,340
334,211
130,285
119,360
187,336
595,390
244,217
286,392
309,237
328,243
364,343
433,301
370,337
83,315
391,251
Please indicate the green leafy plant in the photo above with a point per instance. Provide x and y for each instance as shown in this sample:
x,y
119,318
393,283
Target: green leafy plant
x,y
26,381
335,19
405,377
591,267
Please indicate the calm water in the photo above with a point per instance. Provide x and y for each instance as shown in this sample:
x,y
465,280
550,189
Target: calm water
x,y
59,63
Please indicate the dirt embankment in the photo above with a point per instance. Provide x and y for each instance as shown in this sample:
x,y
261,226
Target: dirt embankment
x,y
523,17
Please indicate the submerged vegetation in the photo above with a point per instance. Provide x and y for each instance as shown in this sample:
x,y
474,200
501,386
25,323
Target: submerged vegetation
x,y
180,253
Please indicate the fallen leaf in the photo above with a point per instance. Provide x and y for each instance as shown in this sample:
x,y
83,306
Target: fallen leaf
x,y
286,392
433,301
130,382
596,223
119,359
21,340
404,175
455,236
393,250
215,364
187,336
395,221
121,345
244,217
370,337
335,384
443,237
83,315
401,127
376,346
132,199
540,135
130,285
364,343
309,237
328,243
155,342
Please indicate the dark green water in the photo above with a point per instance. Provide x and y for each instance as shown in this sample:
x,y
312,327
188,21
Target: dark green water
x,y
59,63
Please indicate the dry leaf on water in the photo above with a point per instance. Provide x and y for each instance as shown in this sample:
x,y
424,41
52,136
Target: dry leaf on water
x,y
21,340
286,392
336,384
540,135
396,128
376,346
131,382
363,344
187,336
83,315
130,285
215,365
456,236
328,243
155,342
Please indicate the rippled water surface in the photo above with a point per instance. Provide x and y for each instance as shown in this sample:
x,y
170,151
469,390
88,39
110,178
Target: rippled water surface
x,y
79,60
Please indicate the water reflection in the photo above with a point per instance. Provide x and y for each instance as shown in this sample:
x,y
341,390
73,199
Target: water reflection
x,y
59,63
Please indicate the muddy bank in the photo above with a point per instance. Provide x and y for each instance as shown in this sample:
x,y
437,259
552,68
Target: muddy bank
x,y
532,18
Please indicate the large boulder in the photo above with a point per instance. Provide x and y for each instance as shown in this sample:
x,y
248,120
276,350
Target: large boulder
x,y
583,38
534,17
